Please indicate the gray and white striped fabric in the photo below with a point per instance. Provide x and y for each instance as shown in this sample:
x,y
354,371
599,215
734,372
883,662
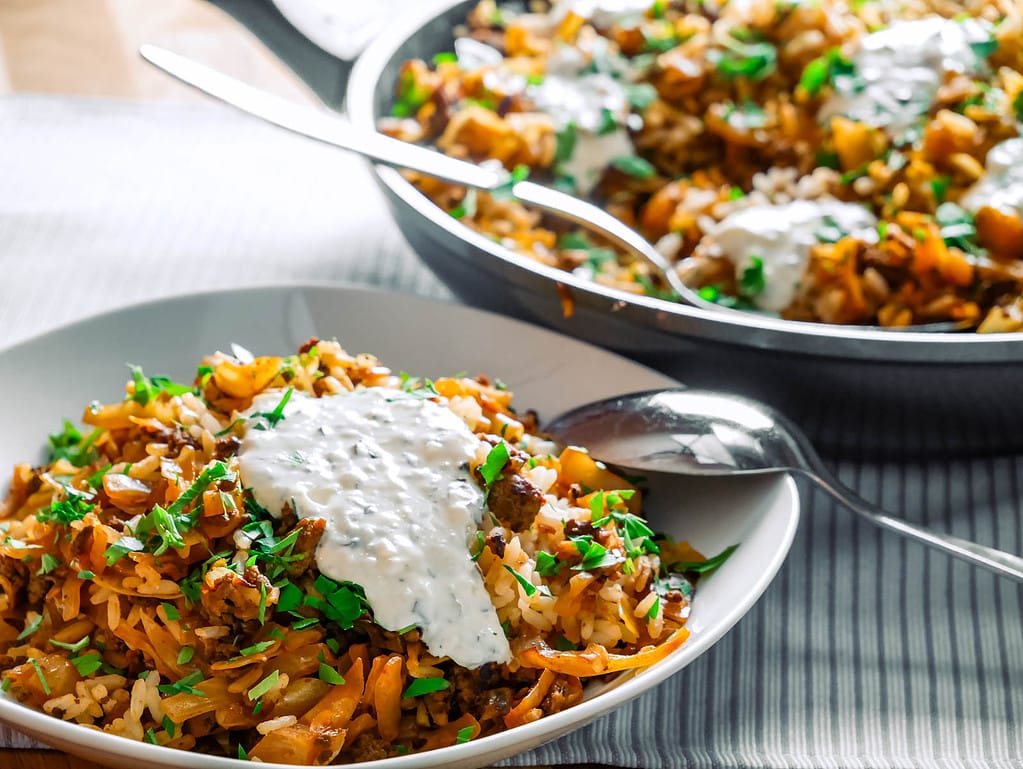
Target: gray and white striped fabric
x,y
866,651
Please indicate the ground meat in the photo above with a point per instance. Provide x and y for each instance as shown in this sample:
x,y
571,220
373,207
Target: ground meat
x,y
513,498
15,574
308,344
310,531
369,747
515,501
226,447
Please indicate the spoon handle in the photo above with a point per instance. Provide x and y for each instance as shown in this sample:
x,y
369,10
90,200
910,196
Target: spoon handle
x,y
998,561
336,130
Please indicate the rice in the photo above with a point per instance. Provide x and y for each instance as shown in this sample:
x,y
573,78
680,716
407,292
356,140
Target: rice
x,y
140,596
732,107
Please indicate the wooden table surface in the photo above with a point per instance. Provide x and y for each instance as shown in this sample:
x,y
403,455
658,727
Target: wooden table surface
x,y
89,48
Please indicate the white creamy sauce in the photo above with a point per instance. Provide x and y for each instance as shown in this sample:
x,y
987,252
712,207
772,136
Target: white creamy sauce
x,y
389,473
1001,186
781,236
901,68
472,54
593,153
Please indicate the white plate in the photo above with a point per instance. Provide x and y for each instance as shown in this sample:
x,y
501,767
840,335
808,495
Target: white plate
x,y
55,375
343,27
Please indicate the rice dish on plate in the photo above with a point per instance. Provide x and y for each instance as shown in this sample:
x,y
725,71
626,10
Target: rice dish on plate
x,y
312,560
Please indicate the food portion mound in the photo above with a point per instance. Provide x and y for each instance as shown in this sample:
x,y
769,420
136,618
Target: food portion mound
x,y
833,161
151,589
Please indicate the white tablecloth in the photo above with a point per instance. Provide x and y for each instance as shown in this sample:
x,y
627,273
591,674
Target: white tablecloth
x,y
865,652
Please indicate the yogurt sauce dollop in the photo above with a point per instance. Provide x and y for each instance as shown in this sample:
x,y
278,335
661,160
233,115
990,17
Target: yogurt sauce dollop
x,y
1001,186
781,236
901,68
389,473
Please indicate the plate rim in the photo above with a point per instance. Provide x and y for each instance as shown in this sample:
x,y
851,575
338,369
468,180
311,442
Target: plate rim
x,y
502,744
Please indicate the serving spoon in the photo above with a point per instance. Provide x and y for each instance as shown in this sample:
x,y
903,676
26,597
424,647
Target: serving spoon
x,y
334,129
698,432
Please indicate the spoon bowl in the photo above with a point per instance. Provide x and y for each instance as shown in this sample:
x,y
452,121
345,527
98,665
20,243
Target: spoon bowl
x,y
699,432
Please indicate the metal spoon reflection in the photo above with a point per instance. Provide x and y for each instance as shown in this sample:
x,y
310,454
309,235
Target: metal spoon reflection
x,y
696,432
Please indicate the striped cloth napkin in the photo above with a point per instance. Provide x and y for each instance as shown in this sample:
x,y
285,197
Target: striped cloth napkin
x,y
865,652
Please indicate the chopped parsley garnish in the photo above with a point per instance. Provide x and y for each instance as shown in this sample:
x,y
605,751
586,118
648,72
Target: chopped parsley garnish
x,y
421,388
640,95
170,611
290,598
422,686
126,544
565,144
150,737
185,655
463,735
342,602
330,675
149,388
87,664
832,67
96,479
64,511
445,57
491,468
634,166
746,117
86,574
562,644
752,61
411,96
42,679
30,627
528,587
547,565
480,544
166,525
595,555
1017,106
957,228
467,208
169,726
751,282
704,567
984,48
76,647
242,754
48,563
655,607
185,686
271,418
608,122
595,255
70,445
939,186
264,686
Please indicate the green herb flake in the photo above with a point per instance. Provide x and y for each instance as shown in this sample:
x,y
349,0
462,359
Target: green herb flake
x,y
271,418
242,754
654,609
704,567
608,122
634,166
87,664
565,144
185,686
445,57
185,655
290,598
74,648
480,544
48,563
330,675
30,627
169,726
170,611
752,282
421,686
64,511
70,445
150,737
547,565
528,587
42,679
264,686
497,458
463,735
